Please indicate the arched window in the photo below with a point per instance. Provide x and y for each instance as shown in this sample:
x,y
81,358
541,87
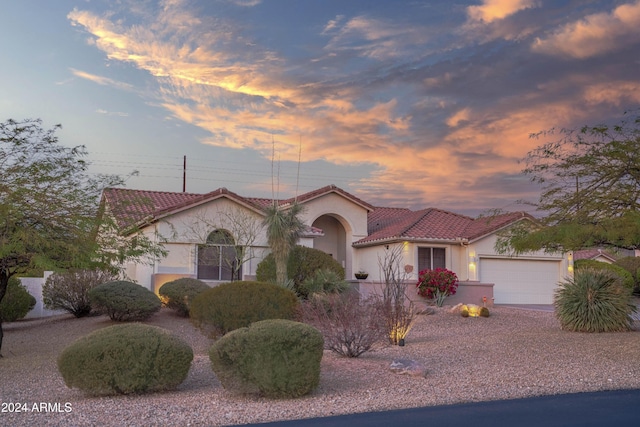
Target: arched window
x,y
217,259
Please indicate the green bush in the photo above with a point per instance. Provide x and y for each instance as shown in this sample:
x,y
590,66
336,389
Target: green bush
x,y
234,305
179,294
124,359
625,277
69,291
124,301
303,264
594,301
323,281
17,301
274,358
632,265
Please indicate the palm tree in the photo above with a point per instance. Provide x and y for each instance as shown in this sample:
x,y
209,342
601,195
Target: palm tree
x,y
284,228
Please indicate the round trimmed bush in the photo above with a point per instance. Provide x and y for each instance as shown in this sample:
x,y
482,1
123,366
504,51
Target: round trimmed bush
x,y
179,294
234,305
632,265
594,301
124,301
124,359
625,277
303,264
274,358
17,301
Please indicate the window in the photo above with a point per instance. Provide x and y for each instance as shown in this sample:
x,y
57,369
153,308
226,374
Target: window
x,y
217,259
431,258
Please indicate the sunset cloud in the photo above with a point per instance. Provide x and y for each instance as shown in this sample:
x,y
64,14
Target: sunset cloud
x,y
101,80
433,115
595,34
492,10
373,38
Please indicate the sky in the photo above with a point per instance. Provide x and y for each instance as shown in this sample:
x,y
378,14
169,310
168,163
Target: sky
x,y
402,103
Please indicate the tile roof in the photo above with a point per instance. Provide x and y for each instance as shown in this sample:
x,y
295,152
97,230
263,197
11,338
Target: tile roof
x,y
482,226
136,207
326,190
133,207
391,224
592,254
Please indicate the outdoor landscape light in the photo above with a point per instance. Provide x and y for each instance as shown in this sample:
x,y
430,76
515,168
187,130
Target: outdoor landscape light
x,y
472,309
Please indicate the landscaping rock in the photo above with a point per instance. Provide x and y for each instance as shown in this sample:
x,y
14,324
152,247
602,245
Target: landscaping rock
x,y
408,367
456,308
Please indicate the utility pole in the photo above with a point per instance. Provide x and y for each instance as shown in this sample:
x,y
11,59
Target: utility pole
x,y
184,175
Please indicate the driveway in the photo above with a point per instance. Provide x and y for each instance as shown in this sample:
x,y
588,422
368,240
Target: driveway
x,y
608,408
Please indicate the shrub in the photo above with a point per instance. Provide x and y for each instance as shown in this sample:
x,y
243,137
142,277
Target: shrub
x,y
275,358
350,326
484,312
124,301
594,301
17,301
323,281
70,291
437,284
234,305
179,294
303,263
464,312
123,359
625,277
632,265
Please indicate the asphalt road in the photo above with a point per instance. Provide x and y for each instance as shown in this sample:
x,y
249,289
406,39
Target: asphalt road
x,y
608,408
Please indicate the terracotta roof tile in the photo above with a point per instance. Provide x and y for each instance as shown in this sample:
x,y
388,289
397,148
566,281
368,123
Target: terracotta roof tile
x,y
130,207
381,217
133,207
389,224
484,225
326,190
592,254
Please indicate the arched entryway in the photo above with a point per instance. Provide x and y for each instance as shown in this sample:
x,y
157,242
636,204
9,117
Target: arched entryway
x,y
334,240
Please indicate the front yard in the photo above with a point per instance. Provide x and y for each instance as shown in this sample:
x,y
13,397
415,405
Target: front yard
x,y
512,354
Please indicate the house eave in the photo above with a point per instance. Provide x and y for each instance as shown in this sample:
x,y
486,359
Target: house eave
x,y
416,240
501,228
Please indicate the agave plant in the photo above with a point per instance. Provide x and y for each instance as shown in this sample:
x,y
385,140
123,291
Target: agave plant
x,y
594,301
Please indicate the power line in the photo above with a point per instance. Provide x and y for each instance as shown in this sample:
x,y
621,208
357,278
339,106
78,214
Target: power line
x,y
208,167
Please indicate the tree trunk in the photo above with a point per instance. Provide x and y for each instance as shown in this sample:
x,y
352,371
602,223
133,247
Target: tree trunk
x,y
4,283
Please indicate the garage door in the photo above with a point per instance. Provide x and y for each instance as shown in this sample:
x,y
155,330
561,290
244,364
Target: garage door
x,y
520,281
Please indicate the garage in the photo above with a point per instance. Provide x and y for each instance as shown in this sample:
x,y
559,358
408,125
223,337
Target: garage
x,y
518,281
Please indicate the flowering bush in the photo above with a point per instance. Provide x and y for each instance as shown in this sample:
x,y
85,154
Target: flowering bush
x,y
437,284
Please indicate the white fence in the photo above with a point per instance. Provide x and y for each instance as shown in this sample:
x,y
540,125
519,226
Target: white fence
x,y
34,286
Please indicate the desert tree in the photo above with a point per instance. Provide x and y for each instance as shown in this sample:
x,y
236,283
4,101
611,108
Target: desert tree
x,y
240,231
590,196
49,208
397,308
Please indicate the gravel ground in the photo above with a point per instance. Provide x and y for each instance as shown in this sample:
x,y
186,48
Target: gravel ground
x,y
514,353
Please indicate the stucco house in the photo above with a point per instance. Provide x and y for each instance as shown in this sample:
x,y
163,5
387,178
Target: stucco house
x,y
204,232
595,254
